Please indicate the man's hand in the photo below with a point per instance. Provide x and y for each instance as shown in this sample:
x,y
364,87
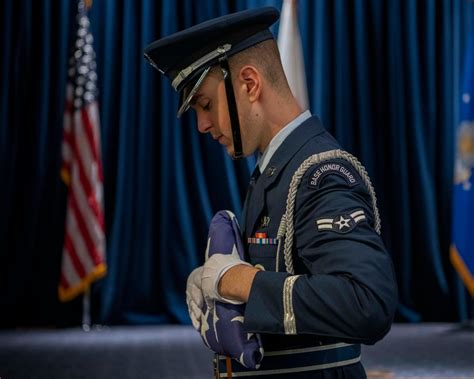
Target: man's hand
x,y
237,283
241,275
213,270
194,297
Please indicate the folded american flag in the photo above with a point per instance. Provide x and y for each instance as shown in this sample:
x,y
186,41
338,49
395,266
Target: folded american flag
x,y
222,326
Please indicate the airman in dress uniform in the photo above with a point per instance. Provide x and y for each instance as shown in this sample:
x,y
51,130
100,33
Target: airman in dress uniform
x,y
320,281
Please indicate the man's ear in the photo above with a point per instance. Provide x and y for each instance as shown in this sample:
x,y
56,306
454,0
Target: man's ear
x,y
251,81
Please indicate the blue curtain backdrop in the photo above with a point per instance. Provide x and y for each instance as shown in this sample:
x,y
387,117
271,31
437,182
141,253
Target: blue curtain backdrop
x,y
382,75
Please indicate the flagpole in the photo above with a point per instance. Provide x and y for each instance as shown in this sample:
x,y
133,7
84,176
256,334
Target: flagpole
x,y
86,298
86,310
468,325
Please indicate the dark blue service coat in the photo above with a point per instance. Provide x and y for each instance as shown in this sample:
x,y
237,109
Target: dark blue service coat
x,y
347,289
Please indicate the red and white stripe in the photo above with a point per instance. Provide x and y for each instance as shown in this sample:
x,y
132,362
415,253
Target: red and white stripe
x,y
84,240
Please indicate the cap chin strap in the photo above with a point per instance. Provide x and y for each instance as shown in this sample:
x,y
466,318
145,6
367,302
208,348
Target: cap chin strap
x,y
232,105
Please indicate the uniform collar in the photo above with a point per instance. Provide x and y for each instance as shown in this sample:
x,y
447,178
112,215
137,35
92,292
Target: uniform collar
x,y
279,138
290,146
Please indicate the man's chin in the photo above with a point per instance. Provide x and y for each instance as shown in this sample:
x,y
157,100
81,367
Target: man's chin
x,y
230,150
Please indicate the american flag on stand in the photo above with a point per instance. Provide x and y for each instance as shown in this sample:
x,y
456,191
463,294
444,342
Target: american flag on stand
x,y
462,246
291,52
83,258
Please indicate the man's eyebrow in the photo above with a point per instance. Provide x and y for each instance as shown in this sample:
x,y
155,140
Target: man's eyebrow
x,y
195,99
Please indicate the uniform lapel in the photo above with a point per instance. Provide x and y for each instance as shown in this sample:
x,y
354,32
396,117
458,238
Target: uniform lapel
x,y
255,200
248,196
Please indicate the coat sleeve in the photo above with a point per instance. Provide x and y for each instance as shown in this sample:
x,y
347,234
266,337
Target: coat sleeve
x,y
346,286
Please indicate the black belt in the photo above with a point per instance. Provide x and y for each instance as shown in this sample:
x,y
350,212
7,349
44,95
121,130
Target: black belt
x,y
291,361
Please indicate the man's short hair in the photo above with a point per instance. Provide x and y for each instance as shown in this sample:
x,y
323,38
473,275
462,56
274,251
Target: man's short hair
x,y
266,57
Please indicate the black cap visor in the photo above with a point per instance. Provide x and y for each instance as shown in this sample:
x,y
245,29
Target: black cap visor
x,y
189,91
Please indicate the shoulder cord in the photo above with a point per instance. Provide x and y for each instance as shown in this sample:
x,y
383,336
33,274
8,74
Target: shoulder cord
x,y
286,227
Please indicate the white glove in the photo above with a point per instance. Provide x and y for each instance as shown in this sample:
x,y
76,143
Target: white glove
x,y
194,297
213,270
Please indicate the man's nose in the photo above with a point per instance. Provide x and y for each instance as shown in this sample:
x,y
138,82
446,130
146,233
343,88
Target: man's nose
x,y
204,123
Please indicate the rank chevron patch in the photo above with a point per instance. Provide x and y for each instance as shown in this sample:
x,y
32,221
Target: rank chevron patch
x,y
341,224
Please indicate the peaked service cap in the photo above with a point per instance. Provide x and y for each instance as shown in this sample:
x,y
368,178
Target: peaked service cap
x,y
186,57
